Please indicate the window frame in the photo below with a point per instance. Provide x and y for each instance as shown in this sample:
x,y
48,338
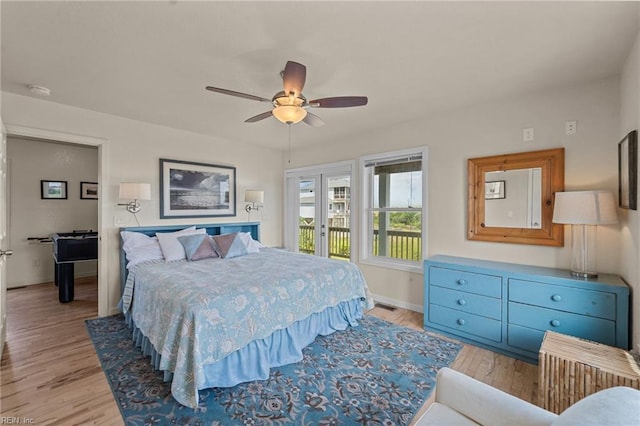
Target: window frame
x,y
366,202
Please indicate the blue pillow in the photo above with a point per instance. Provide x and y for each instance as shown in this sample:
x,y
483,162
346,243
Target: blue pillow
x,y
198,246
229,245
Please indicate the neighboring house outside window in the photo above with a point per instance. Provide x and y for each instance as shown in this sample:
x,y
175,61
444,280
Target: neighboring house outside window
x,y
394,209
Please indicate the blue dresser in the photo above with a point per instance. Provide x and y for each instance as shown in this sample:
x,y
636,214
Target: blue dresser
x,y
507,307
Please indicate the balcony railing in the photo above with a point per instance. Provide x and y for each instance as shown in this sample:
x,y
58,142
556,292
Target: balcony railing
x,y
401,244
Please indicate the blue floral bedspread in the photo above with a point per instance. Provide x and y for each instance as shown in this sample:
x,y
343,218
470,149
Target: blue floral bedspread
x,y
196,313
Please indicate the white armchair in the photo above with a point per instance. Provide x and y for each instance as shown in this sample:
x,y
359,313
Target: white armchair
x,y
462,400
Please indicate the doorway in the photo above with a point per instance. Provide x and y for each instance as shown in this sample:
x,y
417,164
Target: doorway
x,y
45,196
320,210
102,172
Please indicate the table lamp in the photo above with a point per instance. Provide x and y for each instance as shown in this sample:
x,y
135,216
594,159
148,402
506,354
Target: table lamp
x,y
584,210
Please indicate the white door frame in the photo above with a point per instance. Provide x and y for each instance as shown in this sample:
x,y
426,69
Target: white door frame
x,y
103,180
3,242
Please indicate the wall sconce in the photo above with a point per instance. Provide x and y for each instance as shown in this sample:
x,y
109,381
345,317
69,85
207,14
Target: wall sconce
x,y
256,198
584,210
134,191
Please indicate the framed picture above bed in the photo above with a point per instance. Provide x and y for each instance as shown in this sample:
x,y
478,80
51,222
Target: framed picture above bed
x,y
189,189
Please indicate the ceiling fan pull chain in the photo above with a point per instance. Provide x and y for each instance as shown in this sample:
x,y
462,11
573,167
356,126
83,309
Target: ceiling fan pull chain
x,y
289,124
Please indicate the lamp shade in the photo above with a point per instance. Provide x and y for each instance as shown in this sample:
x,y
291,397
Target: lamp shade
x,y
253,196
585,208
135,191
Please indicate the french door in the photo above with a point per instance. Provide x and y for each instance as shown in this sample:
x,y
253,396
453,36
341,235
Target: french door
x,y
319,210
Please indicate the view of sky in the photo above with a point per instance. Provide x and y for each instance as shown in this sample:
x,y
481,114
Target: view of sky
x,y
406,190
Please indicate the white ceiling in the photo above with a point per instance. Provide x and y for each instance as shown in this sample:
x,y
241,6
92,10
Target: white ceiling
x,y
151,61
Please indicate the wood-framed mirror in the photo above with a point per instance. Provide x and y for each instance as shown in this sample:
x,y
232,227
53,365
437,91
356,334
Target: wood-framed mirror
x,y
511,197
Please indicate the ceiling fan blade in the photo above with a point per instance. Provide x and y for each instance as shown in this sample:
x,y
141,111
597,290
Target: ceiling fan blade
x,y
238,94
293,77
313,120
339,102
258,117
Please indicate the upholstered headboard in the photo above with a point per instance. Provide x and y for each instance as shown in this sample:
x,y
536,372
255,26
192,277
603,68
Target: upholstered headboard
x,y
212,229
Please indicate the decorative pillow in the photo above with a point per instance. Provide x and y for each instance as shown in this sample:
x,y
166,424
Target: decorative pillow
x,y
140,248
229,245
171,247
198,246
252,245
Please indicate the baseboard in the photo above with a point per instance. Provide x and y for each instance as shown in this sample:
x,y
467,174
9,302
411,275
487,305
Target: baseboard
x,y
25,283
398,303
19,284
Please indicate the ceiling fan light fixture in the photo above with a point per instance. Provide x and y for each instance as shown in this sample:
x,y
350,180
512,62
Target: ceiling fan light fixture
x,y
289,114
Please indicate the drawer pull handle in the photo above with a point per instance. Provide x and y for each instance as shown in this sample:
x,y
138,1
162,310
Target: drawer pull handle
x,y
462,302
555,323
460,321
461,282
556,298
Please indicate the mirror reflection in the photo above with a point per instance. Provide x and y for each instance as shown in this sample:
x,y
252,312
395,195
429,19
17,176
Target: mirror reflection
x,y
513,198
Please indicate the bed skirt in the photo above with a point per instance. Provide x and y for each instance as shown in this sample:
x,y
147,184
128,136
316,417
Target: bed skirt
x,y
254,361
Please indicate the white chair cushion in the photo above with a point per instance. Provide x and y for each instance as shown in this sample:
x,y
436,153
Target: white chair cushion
x,y
613,406
439,414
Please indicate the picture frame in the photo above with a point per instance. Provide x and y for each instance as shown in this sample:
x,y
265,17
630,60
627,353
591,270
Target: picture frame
x,y
53,189
88,190
628,171
189,189
494,190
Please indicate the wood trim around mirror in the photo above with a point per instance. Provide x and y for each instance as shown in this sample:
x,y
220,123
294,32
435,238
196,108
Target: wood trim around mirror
x,y
551,162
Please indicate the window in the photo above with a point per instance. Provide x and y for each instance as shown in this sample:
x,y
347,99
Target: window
x,y
394,209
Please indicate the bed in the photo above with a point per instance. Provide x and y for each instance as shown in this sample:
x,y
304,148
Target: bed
x,y
215,322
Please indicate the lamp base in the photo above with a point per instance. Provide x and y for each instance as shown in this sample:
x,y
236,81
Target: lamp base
x,y
584,275
583,256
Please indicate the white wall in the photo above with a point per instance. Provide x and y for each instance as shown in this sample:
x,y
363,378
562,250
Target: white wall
x,y
29,216
630,231
133,151
490,129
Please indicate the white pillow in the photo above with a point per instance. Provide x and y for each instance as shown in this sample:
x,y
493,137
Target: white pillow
x,y
252,245
171,247
140,248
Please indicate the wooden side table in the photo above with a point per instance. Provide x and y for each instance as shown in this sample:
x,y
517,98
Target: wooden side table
x,y
571,368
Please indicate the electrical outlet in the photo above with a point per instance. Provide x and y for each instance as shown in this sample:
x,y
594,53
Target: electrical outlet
x,y
570,127
527,134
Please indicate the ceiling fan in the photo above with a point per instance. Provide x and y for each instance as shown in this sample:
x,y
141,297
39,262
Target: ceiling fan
x,y
289,105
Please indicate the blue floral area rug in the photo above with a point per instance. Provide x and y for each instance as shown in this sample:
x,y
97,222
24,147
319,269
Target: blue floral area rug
x,y
375,374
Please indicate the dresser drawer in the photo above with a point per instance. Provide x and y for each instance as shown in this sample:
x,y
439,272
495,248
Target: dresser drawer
x,y
568,299
467,302
465,322
596,329
471,282
525,338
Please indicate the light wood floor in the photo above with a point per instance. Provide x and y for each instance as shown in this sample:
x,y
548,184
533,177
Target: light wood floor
x,y
51,375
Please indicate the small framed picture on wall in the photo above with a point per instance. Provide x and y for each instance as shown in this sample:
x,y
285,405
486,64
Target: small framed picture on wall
x,y
89,190
53,189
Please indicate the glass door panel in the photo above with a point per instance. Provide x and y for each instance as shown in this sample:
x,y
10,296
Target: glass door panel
x,y
308,220
337,196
